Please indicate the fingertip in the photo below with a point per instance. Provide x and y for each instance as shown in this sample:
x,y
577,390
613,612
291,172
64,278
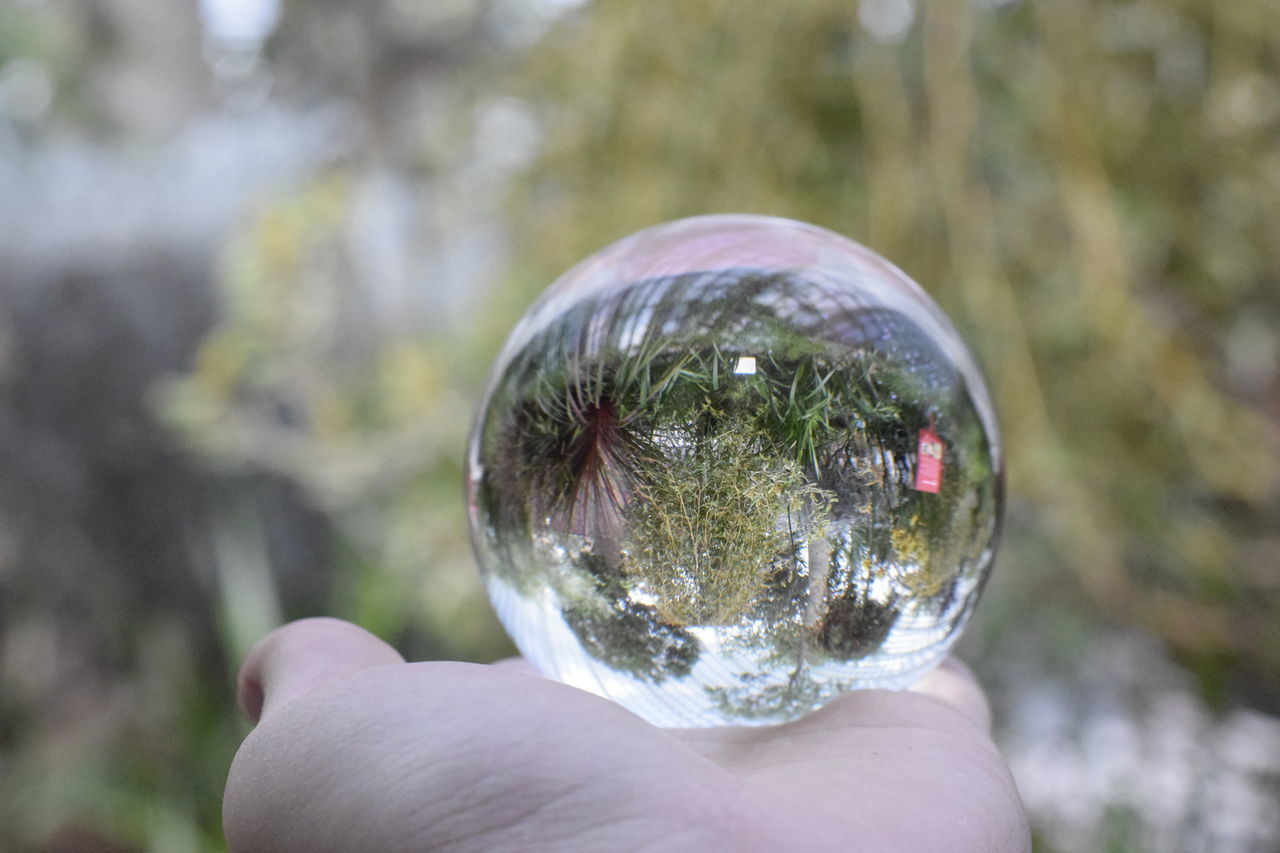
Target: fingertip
x,y
518,664
248,695
953,683
299,656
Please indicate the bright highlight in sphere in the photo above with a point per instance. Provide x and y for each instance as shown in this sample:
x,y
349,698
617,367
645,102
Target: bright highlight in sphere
x,y
731,466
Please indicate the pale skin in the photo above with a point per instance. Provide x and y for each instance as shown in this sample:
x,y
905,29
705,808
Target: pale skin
x,y
354,749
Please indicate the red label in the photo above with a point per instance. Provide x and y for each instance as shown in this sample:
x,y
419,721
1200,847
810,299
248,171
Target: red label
x,y
929,462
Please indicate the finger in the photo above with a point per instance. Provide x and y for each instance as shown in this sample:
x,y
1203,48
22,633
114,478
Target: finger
x,y
947,697
298,657
444,755
517,664
955,684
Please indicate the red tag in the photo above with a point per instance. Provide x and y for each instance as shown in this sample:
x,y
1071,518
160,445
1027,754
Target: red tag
x,y
929,462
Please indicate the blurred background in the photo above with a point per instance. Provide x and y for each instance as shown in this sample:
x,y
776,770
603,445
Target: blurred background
x,y
256,255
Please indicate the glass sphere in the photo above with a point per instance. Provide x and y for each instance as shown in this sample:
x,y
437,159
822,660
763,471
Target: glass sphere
x,y
731,466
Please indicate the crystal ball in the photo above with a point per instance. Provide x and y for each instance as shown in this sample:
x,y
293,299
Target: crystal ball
x,y
730,467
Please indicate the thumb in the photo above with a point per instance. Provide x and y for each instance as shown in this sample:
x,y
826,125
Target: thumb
x,y
294,659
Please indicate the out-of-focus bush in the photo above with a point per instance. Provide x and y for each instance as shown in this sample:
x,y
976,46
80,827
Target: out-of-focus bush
x,y
1090,189
301,379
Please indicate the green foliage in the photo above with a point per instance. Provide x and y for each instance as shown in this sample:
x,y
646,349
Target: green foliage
x,y
624,635
1090,189
757,698
704,525
1087,188
856,625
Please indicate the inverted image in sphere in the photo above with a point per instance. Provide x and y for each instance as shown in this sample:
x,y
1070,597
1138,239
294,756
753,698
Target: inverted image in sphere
x,y
731,466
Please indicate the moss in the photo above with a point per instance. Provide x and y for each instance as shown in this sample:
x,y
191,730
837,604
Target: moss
x,y
926,570
705,524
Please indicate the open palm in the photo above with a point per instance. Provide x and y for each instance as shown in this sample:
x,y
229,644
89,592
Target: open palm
x,y
355,749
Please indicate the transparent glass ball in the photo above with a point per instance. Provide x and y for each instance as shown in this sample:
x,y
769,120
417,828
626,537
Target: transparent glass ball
x,y
731,466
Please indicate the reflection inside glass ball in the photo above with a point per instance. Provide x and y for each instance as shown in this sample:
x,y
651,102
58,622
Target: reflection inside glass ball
x,y
730,467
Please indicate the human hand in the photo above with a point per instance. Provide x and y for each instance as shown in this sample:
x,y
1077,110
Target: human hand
x,y
355,749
